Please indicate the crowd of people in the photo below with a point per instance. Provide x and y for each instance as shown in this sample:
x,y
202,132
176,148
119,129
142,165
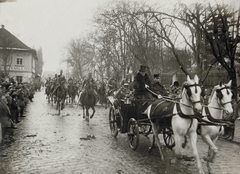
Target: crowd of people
x,y
14,98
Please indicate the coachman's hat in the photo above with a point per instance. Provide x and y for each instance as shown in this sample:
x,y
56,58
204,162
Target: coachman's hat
x,y
142,68
156,75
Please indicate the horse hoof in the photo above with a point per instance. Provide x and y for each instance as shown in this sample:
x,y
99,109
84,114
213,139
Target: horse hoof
x,y
207,159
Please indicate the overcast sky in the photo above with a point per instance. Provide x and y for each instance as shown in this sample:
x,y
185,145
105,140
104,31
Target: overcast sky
x,y
51,24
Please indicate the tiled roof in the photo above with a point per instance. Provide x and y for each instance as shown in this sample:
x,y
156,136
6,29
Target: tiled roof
x,y
9,40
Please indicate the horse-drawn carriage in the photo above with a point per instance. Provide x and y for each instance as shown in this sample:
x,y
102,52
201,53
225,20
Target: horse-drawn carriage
x,y
127,116
178,120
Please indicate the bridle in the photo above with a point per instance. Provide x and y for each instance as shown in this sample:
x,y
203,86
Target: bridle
x,y
220,100
189,93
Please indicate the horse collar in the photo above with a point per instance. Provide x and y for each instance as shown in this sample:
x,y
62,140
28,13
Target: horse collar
x,y
181,114
210,117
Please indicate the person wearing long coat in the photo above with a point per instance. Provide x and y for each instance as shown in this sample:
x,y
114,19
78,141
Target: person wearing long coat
x,y
141,83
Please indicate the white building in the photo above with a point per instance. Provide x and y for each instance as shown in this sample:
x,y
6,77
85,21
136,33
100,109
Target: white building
x,y
21,59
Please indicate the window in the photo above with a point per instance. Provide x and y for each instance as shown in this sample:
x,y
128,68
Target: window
x,y
19,79
19,61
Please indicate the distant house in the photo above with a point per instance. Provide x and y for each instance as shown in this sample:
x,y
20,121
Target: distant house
x,y
21,58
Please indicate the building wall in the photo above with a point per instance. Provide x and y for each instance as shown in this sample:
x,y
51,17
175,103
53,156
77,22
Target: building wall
x,y
26,68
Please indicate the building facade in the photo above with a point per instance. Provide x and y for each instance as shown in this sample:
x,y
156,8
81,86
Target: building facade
x,y
21,58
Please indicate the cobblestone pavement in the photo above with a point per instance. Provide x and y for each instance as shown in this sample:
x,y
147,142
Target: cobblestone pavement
x,y
45,142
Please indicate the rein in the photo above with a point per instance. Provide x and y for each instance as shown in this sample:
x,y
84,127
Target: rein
x,y
170,99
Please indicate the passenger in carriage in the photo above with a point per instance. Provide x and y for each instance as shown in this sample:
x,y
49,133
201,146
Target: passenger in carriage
x,y
124,96
175,89
123,92
141,83
111,86
157,87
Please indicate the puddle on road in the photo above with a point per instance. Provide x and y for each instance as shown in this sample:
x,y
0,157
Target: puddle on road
x,y
88,137
34,135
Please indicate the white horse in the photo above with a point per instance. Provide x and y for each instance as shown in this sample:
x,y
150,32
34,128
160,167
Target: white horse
x,y
183,122
218,103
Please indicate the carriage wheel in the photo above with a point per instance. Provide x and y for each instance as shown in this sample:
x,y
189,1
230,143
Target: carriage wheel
x,y
113,122
133,133
168,137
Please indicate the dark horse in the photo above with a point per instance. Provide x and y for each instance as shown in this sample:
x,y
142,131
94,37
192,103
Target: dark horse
x,y
72,92
48,92
60,97
88,100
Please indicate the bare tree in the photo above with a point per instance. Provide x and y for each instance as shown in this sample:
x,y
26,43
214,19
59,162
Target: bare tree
x,y
39,63
80,56
5,53
126,41
221,29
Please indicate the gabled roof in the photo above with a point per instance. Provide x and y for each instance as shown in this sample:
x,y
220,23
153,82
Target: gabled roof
x,y
7,39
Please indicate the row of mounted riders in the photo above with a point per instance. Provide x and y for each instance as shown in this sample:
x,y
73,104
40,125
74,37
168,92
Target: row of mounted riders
x,y
73,88
178,119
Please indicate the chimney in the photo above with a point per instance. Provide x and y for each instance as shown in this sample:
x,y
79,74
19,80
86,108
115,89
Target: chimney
x,y
2,26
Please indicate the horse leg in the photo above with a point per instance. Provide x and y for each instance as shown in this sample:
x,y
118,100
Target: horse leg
x,y
193,139
72,97
93,112
62,104
83,111
178,145
212,150
155,132
87,113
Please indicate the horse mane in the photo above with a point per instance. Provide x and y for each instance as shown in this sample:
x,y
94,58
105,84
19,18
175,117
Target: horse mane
x,y
183,88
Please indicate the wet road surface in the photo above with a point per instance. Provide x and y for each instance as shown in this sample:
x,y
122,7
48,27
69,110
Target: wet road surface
x,y
45,142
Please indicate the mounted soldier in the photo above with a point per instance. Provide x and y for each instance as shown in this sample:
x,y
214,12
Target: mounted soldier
x,y
88,96
60,81
89,82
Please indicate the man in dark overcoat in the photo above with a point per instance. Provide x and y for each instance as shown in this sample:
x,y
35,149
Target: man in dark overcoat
x,y
157,87
141,83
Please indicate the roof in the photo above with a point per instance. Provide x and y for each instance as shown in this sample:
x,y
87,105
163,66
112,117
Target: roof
x,y
11,41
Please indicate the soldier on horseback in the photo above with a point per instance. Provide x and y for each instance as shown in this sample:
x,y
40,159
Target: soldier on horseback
x,y
60,82
89,82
